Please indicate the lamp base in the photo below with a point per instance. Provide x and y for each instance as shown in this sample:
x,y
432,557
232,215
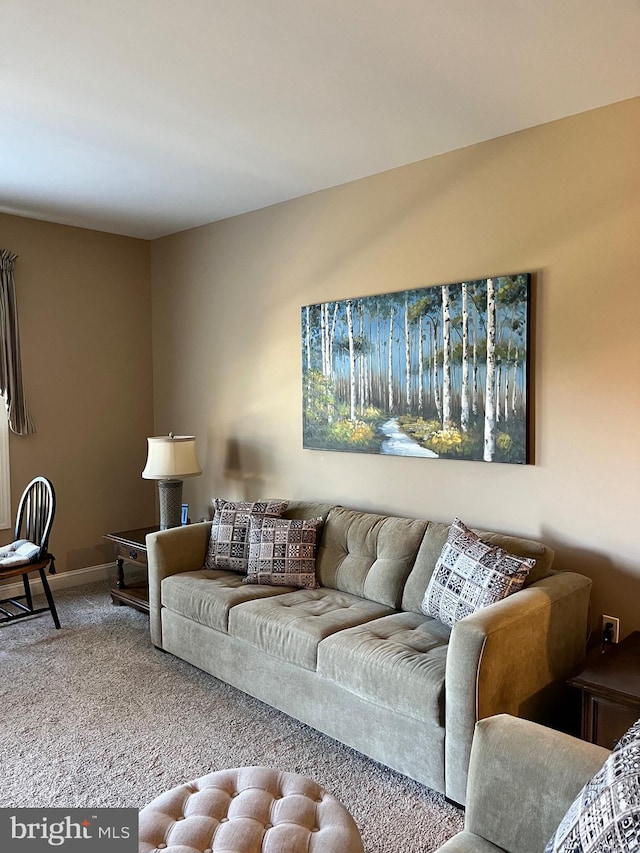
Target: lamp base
x,y
170,494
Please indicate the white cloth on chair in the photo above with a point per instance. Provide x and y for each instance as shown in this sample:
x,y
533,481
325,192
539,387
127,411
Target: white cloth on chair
x,y
18,553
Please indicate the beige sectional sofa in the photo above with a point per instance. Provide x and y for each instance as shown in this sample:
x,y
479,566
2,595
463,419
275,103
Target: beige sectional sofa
x,y
356,658
523,778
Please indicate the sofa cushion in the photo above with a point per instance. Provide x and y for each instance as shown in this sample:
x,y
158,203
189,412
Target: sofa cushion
x,y
397,661
290,626
606,813
228,544
368,555
470,575
307,509
282,552
433,543
207,595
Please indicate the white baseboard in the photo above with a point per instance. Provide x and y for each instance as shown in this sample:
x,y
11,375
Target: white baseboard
x,y
76,577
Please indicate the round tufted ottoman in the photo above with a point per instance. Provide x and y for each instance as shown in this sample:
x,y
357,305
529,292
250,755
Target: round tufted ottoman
x,y
248,810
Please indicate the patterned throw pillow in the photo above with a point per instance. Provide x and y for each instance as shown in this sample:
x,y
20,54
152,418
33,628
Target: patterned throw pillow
x,y
605,816
282,552
470,575
229,540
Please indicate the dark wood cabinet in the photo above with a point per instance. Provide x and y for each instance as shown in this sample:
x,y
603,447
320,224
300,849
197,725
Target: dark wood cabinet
x,y
610,687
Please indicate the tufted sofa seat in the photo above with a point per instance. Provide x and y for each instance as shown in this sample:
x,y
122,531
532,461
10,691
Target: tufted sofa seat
x,y
357,658
398,662
248,810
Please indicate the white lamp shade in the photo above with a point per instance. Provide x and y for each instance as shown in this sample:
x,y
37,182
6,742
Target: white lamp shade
x,y
171,457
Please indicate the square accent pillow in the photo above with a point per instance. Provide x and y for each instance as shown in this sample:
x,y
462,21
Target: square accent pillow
x,y
229,541
606,813
282,552
470,574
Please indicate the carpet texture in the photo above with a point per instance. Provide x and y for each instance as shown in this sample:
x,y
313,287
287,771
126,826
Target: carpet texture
x,y
93,715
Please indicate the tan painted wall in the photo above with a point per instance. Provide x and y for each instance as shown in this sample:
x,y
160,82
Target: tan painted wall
x,y
84,308
561,200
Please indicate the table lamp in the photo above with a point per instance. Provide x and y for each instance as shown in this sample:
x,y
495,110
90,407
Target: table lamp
x,y
170,459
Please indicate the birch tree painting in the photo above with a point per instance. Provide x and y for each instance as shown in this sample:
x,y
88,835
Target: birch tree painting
x,y
436,372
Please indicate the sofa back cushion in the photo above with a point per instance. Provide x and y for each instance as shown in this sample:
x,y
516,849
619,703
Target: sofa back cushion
x,y
368,555
307,509
433,542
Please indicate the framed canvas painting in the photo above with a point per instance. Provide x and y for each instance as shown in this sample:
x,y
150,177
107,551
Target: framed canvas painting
x,y
439,372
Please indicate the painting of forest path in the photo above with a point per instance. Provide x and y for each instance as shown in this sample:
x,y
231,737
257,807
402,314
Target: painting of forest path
x,y
437,372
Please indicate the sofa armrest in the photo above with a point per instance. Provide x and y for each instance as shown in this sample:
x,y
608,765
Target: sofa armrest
x,y
522,779
512,657
179,549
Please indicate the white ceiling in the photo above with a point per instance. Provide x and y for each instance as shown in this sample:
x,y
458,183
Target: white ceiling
x,y
147,117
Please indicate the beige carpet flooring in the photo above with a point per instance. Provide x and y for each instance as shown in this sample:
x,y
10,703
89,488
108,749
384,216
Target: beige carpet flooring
x,y
93,715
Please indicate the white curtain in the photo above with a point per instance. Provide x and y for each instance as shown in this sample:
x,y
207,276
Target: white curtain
x,y
10,364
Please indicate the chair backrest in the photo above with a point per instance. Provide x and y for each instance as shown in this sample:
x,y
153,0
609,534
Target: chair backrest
x,y
36,511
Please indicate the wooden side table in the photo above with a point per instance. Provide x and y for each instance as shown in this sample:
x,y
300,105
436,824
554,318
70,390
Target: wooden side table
x,y
610,686
131,547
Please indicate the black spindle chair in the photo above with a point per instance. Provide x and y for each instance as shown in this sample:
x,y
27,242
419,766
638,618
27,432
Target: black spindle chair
x,y
34,520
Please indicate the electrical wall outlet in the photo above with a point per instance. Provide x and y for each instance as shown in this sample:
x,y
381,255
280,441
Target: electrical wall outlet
x,y
610,629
